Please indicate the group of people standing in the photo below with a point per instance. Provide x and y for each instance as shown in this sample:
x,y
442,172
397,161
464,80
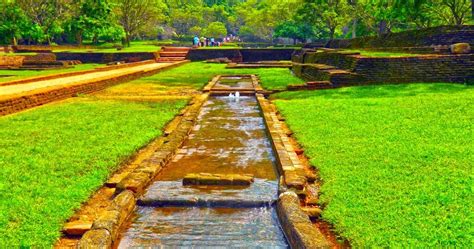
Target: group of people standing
x,y
205,42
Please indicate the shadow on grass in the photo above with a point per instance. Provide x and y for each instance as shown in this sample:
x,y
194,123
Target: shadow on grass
x,y
377,91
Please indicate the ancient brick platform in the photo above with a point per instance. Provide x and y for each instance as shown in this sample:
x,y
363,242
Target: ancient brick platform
x,y
13,99
348,69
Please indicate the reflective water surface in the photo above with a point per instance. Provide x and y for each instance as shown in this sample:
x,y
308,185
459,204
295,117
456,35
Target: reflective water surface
x,y
205,227
229,137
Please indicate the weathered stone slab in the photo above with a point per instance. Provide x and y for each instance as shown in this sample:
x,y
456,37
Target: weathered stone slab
x,y
312,194
96,239
110,221
125,203
77,227
299,230
460,48
218,179
135,181
313,212
198,202
294,180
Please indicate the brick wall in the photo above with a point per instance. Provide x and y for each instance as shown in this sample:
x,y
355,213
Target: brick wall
x,y
442,35
240,55
11,61
338,59
442,68
366,70
40,57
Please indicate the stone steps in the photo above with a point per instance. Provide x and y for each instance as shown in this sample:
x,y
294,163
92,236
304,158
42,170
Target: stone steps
x,y
167,59
322,76
171,54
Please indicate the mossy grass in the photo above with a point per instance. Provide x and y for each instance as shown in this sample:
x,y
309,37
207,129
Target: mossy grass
x,y
395,161
195,73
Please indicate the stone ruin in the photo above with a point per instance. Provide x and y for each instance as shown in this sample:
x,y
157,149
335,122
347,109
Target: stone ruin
x,y
41,61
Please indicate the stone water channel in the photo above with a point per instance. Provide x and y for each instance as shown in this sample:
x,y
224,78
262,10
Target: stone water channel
x,y
229,137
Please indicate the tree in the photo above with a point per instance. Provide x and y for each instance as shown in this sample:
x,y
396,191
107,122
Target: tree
x,y
294,30
215,29
95,18
458,10
13,22
139,15
326,14
48,15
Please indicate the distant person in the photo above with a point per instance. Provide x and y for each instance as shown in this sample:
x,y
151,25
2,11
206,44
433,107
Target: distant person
x,y
203,41
213,42
196,41
207,42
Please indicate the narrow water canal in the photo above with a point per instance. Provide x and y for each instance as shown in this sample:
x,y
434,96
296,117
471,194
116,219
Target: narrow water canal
x,y
228,138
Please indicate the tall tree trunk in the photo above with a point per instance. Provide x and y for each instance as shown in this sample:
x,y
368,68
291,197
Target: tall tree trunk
x,y
79,37
331,33
354,28
127,39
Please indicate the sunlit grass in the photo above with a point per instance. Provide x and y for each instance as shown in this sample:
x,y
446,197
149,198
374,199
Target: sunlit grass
x,y
54,157
396,161
194,74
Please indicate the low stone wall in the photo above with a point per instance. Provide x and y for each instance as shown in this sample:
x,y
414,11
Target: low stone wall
x,y
32,49
106,57
408,69
240,55
253,55
443,35
40,57
442,68
12,104
338,59
11,61
207,54
299,230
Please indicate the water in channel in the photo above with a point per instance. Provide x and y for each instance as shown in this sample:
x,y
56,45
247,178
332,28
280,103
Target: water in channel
x,y
229,137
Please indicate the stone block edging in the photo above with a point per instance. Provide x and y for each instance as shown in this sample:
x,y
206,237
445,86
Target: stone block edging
x,y
295,222
299,230
106,229
18,102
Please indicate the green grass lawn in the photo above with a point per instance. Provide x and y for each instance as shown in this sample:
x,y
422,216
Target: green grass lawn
x,y
396,161
53,157
19,74
195,73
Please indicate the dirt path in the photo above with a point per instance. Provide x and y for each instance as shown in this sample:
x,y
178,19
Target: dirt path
x,y
78,79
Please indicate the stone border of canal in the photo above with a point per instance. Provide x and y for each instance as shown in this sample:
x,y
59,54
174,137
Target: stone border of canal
x,y
295,205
